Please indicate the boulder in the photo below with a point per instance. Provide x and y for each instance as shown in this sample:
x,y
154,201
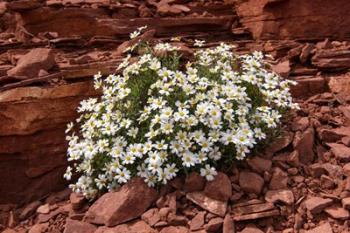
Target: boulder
x,y
31,63
123,205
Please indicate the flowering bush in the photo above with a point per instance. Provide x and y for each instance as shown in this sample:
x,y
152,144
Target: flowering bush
x,y
158,118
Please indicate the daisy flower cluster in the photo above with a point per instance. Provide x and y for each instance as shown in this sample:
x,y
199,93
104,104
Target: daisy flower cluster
x,y
159,117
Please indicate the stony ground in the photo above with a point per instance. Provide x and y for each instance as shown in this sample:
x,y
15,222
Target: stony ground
x,y
300,183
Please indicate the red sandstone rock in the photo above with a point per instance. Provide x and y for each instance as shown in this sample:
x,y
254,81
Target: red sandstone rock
x,y
198,221
340,151
126,204
340,84
308,86
280,143
29,210
214,225
214,206
337,212
220,188
228,225
36,137
73,226
43,209
282,68
301,124
77,201
39,228
279,179
136,226
251,182
259,164
324,228
346,203
332,59
172,229
268,19
285,196
251,229
304,145
317,204
151,217
30,64
194,182
306,52
346,169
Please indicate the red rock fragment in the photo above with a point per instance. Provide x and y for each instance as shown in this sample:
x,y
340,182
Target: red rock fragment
x,y
284,196
151,216
252,216
73,226
30,64
259,164
251,229
126,204
29,210
251,182
300,124
220,188
317,204
324,228
346,203
77,201
306,52
279,179
337,212
304,145
340,151
39,228
228,225
137,226
194,182
172,229
214,206
198,221
214,225
282,68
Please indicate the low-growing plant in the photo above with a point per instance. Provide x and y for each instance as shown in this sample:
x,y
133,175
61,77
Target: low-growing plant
x,y
159,117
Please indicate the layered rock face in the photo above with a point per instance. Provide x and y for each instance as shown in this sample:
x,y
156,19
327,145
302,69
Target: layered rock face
x,y
295,19
32,138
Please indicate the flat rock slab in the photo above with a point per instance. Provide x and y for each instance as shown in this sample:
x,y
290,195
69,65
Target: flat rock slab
x,y
214,206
